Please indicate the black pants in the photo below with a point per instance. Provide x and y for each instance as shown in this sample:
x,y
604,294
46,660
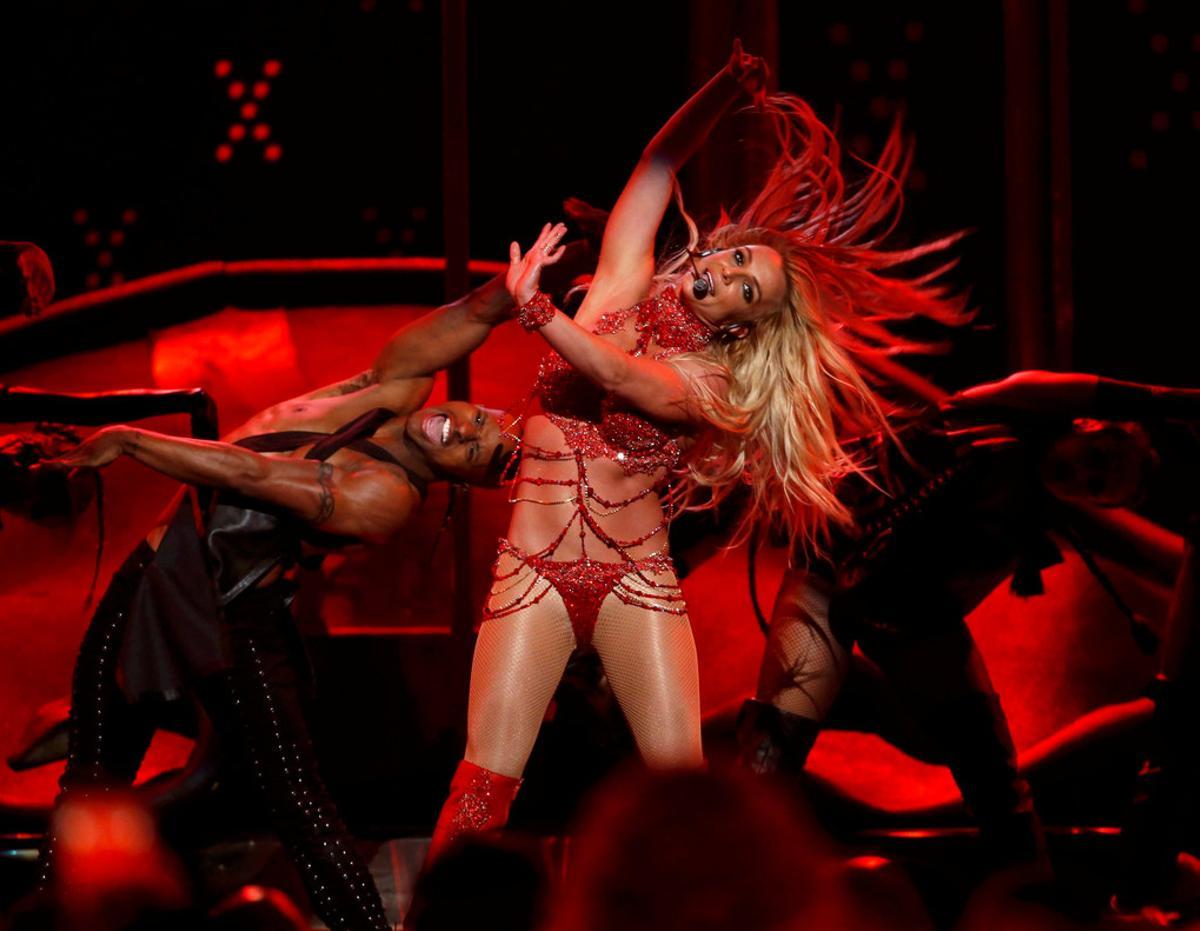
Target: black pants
x,y
256,707
940,685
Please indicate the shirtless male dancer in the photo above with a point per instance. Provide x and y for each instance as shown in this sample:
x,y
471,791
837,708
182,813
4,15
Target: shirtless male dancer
x,y
201,607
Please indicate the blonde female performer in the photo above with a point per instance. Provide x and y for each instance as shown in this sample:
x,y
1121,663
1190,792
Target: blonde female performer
x,y
728,365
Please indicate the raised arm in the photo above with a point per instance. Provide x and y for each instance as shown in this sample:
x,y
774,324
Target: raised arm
x,y
666,392
417,351
443,336
626,266
371,503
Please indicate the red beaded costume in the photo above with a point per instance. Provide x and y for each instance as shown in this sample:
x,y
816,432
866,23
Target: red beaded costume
x,y
596,426
607,471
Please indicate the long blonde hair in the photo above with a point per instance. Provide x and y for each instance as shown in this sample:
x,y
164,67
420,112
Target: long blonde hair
x,y
794,388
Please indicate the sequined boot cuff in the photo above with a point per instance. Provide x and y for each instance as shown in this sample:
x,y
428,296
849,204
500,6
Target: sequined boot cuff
x,y
479,802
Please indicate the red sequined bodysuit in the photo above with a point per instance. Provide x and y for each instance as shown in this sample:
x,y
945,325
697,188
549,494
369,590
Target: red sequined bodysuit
x,y
595,426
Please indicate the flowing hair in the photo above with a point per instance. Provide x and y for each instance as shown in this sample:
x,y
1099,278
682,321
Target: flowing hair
x,y
792,390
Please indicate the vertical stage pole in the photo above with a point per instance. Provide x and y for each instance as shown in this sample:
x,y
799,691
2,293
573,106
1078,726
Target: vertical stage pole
x,y
1037,163
455,205
1062,290
1025,183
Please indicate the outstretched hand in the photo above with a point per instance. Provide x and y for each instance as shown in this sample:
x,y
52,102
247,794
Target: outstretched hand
x,y
97,451
750,71
525,272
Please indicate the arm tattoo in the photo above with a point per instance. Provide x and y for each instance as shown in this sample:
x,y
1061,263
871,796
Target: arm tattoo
x,y
357,383
325,480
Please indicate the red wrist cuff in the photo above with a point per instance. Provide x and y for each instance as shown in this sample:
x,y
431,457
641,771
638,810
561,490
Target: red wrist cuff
x,y
536,312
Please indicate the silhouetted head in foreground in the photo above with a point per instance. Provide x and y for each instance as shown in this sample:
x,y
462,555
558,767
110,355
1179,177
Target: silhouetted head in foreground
x,y
703,851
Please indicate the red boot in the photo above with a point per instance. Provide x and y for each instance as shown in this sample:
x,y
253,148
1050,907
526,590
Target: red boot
x,y
479,801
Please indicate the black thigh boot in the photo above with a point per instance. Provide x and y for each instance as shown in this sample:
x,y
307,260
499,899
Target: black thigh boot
x,y
107,737
1164,813
939,674
772,741
257,706
978,748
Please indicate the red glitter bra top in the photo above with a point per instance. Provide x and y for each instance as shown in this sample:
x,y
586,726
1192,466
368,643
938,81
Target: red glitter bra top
x,y
596,424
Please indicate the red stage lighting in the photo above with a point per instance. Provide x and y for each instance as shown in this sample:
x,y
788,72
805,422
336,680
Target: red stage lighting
x,y
91,238
116,238
223,68
1158,43
914,31
1180,81
273,152
261,131
249,111
1160,122
1138,160
224,152
236,90
860,70
898,69
79,217
129,216
272,67
104,259
261,89
237,132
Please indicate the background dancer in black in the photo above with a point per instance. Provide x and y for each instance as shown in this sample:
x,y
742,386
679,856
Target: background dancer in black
x,y
970,508
201,607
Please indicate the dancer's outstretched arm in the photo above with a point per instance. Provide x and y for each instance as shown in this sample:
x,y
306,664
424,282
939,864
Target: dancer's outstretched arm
x,y
370,503
626,268
419,350
443,336
1076,394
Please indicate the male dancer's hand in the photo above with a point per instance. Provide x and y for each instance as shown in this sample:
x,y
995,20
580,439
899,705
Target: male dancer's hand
x,y
98,450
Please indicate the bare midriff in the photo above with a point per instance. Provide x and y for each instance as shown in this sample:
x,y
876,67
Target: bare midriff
x,y
594,472
592,496
567,506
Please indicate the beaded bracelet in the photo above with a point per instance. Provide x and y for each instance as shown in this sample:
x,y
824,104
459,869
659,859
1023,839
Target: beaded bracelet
x,y
536,312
